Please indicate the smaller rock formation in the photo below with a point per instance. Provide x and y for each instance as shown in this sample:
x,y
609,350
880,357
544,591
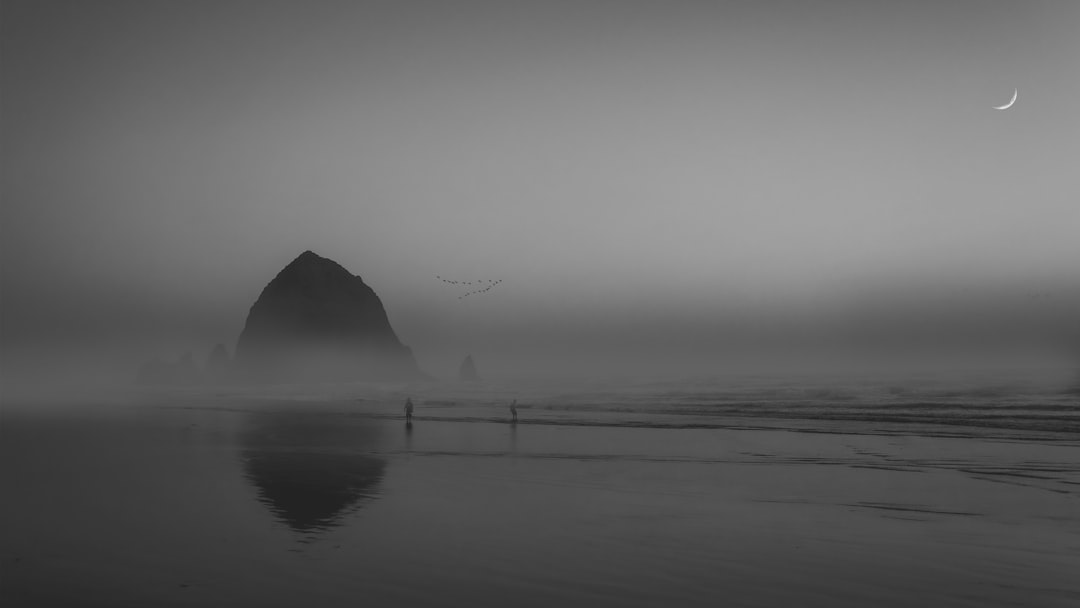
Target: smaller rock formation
x,y
217,363
183,371
186,370
467,371
153,371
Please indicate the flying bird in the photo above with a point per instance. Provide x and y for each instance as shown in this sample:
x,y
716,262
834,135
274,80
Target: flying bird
x,y
480,286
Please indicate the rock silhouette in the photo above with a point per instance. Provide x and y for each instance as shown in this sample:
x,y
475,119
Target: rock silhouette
x,y
315,321
310,471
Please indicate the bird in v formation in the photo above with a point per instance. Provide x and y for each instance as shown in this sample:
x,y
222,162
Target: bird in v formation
x,y
483,285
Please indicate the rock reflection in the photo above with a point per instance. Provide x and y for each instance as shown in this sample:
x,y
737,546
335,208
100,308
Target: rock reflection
x,y
310,469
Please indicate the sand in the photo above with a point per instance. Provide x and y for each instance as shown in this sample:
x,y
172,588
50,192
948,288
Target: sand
x,y
194,499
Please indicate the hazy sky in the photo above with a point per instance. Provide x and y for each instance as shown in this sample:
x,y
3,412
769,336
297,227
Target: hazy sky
x,y
654,177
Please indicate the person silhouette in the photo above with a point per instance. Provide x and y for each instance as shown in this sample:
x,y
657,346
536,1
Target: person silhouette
x,y
408,410
513,409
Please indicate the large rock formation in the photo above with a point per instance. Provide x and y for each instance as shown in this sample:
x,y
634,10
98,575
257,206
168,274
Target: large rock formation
x,y
316,321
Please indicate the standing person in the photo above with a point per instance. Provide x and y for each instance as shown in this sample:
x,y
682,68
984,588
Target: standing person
x,y
513,409
408,410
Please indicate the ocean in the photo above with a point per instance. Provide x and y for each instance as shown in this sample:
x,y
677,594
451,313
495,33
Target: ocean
x,y
745,490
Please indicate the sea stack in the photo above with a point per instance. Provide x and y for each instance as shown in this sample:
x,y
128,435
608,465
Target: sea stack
x,y
181,372
316,321
217,362
467,371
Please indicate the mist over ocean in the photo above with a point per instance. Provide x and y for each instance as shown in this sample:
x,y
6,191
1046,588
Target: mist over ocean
x,y
956,490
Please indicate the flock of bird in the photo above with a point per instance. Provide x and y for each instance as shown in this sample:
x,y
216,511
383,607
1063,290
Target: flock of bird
x,y
482,285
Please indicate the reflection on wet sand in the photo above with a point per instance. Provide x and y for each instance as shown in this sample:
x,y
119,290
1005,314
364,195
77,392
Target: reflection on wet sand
x,y
311,470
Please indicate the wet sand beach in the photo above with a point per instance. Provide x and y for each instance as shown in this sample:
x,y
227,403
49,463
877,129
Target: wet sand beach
x,y
196,500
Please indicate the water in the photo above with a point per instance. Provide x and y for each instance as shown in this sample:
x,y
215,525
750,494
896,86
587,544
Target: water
x,y
750,491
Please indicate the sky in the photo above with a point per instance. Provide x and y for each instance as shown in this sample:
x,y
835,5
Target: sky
x,y
656,182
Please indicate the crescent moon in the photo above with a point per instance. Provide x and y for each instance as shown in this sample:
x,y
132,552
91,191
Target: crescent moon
x,y
1011,101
